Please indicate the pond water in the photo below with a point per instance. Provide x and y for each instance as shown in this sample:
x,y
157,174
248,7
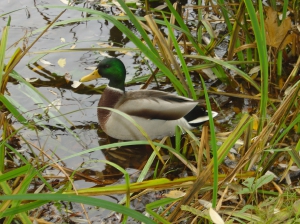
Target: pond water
x,y
77,104
51,82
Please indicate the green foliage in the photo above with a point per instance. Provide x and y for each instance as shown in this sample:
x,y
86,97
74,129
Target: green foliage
x,y
253,185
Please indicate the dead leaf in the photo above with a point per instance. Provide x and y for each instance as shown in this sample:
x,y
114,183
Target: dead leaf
x,y
63,40
205,203
209,73
61,62
175,194
254,70
39,189
277,36
215,217
255,122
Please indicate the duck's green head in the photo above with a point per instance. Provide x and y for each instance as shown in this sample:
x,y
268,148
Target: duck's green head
x,y
111,68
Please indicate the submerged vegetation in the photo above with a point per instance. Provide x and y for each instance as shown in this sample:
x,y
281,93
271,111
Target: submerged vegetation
x,y
244,169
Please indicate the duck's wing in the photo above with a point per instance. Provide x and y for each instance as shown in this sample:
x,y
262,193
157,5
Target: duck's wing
x,y
151,104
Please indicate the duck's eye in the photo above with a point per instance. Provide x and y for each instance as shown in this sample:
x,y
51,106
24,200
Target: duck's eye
x,y
107,66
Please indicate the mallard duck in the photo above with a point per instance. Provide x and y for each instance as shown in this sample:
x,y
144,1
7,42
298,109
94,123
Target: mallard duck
x,y
157,112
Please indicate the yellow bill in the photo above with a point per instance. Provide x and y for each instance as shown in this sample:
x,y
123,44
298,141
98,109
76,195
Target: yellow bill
x,y
91,76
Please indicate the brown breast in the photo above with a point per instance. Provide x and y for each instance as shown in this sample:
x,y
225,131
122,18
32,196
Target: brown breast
x,y
109,98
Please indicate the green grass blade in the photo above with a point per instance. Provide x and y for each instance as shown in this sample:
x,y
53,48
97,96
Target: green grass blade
x,y
3,47
229,66
218,70
157,204
259,32
127,182
233,137
15,173
78,199
13,110
213,146
180,56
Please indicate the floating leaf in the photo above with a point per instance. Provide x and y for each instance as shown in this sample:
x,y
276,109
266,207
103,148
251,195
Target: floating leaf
x,y
54,93
90,68
31,79
75,84
105,45
61,62
66,2
105,54
45,62
63,40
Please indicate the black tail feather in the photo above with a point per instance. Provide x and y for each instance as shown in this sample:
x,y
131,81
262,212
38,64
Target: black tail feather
x,y
196,112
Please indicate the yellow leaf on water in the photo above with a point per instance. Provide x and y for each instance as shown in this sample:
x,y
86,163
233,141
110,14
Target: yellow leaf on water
x,y
61,62
76,84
